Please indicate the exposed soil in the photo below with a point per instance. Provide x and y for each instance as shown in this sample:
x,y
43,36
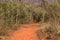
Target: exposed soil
x,y
26,32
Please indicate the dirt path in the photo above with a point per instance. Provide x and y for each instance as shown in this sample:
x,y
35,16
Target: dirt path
x,y
26,32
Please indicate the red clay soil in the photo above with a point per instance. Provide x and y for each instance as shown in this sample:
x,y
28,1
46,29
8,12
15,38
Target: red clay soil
x,y
26,32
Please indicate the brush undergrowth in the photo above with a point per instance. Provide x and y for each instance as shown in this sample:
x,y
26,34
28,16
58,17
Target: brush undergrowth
x,y
21,13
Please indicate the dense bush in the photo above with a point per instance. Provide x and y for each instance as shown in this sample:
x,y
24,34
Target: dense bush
x,y
16,13
20,13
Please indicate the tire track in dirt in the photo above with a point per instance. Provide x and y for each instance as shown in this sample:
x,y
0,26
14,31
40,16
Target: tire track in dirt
x,y
26,32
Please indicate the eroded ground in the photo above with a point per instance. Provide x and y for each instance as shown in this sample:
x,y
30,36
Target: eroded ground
x,y
26,32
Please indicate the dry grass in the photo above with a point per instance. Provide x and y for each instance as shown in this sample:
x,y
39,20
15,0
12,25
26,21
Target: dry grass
x,y
48,32
26,13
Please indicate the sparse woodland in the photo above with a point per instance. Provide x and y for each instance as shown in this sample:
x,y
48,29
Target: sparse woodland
x,y
17,13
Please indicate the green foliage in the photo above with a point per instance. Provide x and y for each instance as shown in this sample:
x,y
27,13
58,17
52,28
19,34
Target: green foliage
x,y
19,13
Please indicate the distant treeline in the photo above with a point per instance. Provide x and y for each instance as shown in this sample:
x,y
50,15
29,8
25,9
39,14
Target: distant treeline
x,y
12,13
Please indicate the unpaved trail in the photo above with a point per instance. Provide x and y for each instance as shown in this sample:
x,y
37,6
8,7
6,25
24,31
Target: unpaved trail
x,y
26,32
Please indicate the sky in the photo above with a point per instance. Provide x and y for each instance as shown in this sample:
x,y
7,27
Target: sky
x,y
30,0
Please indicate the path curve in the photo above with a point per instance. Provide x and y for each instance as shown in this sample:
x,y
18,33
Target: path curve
x,y
26,32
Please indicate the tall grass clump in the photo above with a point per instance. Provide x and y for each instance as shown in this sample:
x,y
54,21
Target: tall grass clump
x,y
51,22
